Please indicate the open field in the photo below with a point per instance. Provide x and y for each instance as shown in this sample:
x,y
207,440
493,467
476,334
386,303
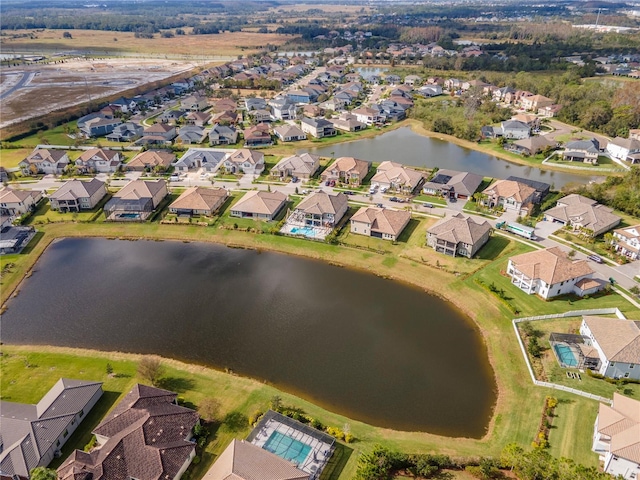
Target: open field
x,y
11,157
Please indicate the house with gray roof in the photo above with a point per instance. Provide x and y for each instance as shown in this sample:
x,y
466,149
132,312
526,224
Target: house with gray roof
x,y
136,201
45,160
289,133
147,436
98,127
318,127
583,215
320,209
126,132
196,201
32,435
453,184
195,158
304,166
77,195
515,129
585,151
259,205
191,134
223,135
458,236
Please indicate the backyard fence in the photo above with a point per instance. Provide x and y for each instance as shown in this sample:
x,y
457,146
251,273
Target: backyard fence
x,y
572,313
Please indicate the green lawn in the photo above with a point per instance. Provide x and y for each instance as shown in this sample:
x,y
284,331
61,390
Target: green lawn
x,y
44,214
11,157
430,199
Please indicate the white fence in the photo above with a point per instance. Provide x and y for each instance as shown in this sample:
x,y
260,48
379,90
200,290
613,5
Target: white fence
x,y
572,313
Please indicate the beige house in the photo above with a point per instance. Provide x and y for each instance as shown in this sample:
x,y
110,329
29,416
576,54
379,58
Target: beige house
x,y
510,195
627,241
199,201
44,160
395,176
151,160
304,166
99,160
195,103
76,195
585,151
321,209
582,214
259,205
347,170
458,236
245,161
136,201
535,102
15,202
550,272
453,184
348,122
289,133
616,437
244,461
380,222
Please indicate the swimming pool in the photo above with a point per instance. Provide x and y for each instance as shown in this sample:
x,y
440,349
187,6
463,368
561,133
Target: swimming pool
x,y
129,215
306,231
565,354
287,448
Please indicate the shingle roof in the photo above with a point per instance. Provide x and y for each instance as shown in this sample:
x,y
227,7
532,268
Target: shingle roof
x,y
321,202
152,158
347,165
391,172
260,202
74,189
621,422
619,339
289,131
304,163
158,128
588,213
42,154
243,461
102,153
461,182
459,228
383,220
245,155
136,189
550,265
508,188
11,195
200,198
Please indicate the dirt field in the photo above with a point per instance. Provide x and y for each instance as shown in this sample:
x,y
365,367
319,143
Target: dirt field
x,y
37,89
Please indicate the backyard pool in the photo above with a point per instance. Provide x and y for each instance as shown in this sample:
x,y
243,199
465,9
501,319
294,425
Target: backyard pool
x,y
129,215
287,448
565,355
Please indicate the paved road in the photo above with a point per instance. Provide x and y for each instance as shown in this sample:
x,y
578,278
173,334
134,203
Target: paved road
x,y
23,82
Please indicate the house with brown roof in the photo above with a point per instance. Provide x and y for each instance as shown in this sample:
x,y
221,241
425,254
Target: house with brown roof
x,y
618,344
320,209
194,103
245,161
304,166
377,222
531,145
510,195
550,272
151,160
583,214
224,104
453,184
627,241
14,202
535,102
136,201
348,170
146,437
32,435
259,205
289,133
163,132
616,437
44,160
77,195
99,160
199,119
458,236
397,177
196,201
258,136
347,122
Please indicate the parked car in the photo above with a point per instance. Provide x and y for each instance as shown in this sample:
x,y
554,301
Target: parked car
x,y
174,178
379,205
294,179
372,190
428,205
384,189
348,192
595,258
393,199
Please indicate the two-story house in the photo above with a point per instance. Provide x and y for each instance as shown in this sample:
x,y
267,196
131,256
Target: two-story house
x,y
45,160
458,236
627,241
510,195
245,161
384,223
77,195
585,151
397,177
321,209
14,202
99,160
318,127
347,170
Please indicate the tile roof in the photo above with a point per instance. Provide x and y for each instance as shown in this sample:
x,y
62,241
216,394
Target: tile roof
x,y
550,265
74,189
260,202
383,220
147,440
584,211
137,189
618,339
347,165
11,195
392,172
509,188
200,198
152,158
102,153
322,202
245,155
621,422
305,163
459,228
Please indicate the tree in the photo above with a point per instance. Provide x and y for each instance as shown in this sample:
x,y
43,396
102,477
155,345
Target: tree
x,y
150,369
43,473
209,409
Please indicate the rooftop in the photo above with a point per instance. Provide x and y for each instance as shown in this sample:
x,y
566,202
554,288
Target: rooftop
x,y
551,265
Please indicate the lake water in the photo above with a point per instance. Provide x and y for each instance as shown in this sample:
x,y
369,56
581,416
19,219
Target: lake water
x,y
368,72
369,348
403,145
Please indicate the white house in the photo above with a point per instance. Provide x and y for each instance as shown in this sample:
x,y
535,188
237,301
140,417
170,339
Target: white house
x,y
626,149
515,129
616,437
245,161
618,344
14,202
627,241
43,160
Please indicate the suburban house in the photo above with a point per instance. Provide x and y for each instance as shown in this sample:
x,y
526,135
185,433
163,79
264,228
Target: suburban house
x,y
458,236
259,205
223,135
194,103
510,195
532,120
14,202
348,122
412,80
533,103
45,160
200,119
151,160
627,241
617,342
549,111
99,126
32,435
258,136
299,96
99,160
147,436
283,108
616,437
550,272
303,166
136,201
171,117
585,151
126,132
245,161
260,115
531,145
515,129
453,184
318,127
14,239
196,158
541,188
369,116
289,133
230,117
378,222
347,170
190,134
242,460
321,209
626,149
583,215
395,176
161,132
76,195
196,201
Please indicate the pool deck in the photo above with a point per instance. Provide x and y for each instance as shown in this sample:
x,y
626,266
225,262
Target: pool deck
x,y
319,233
317,457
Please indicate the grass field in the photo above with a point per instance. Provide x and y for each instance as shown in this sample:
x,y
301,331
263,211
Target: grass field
x,y
11,157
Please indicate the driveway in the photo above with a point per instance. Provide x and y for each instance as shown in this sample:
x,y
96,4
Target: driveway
x,y
544,229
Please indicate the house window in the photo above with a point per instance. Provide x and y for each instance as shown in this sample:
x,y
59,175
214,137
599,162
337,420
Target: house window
x,y
626,375
612,364
630,366
65,434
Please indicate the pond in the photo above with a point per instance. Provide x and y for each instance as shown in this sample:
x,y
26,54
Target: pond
x,y
359,345
403,145
368,72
